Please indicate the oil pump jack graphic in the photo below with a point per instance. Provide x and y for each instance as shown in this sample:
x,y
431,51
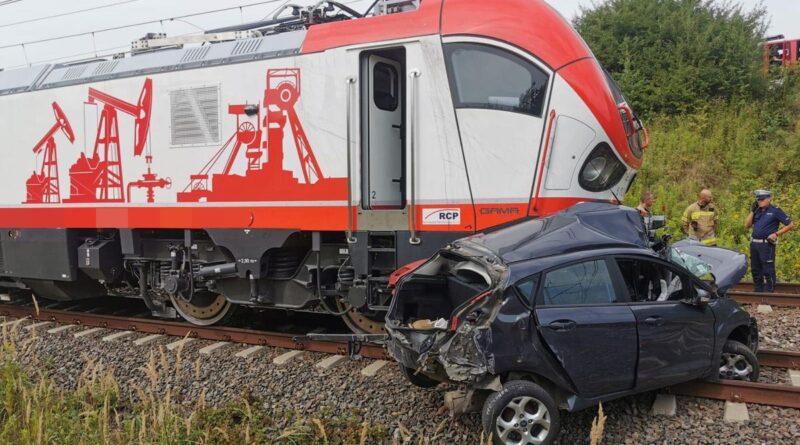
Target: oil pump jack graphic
x,y
99,178
266,180
43,186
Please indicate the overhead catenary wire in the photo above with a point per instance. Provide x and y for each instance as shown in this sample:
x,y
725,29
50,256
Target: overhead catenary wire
x,y
8,2
117,50
132,25
64,14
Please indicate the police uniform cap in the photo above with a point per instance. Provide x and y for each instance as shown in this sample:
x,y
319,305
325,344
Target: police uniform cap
x,y
763,194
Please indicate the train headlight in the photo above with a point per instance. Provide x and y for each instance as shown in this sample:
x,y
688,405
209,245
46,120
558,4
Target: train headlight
x,y
602,169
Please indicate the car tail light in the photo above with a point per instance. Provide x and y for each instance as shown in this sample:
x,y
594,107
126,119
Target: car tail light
x,y
467,309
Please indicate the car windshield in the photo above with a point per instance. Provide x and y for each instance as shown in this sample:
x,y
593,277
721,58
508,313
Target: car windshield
x,y
691,263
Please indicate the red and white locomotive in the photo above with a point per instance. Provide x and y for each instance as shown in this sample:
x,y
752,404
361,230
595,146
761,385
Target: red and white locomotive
x,y
297,162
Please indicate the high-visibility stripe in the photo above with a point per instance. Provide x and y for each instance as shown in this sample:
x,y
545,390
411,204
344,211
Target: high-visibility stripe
x,y
700,214
709,241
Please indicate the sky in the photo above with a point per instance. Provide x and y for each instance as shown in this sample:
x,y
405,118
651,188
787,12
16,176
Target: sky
x,y
785,15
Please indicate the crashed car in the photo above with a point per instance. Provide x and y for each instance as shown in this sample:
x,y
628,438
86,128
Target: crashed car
x,y
564,312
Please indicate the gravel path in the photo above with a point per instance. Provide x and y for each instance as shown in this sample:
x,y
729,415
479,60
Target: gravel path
x,y
385,399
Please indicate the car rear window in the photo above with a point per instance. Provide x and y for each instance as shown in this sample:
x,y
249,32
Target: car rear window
x,y
589,282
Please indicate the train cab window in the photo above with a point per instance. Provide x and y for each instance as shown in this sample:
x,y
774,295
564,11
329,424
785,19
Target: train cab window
x,y
386,86
482,76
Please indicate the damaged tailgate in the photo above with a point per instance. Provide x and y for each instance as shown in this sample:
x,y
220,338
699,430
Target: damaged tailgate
x,y
440,319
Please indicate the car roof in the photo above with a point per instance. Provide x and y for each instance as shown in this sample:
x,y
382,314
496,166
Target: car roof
x,y
524,269
581,228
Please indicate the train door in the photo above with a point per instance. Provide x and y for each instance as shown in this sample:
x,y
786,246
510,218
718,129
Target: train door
x,y
383,146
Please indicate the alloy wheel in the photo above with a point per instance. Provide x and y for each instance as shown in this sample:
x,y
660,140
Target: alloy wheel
x,y
735,367
523,421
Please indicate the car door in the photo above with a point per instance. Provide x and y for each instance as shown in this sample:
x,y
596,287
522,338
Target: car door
x,y
676,338
583,318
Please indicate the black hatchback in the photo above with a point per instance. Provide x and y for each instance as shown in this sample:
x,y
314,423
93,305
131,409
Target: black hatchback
x,y
564,312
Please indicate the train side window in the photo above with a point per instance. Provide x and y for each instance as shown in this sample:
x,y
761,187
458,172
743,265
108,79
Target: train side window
x,y
386,86
483,76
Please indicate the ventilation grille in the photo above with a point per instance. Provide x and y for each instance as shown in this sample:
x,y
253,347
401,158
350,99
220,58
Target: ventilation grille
x,y
105,67
195,116
2,260
195,54
246,46
74,72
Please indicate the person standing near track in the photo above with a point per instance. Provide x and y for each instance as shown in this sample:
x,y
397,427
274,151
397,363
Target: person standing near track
x,y
700,219
765,219
645,203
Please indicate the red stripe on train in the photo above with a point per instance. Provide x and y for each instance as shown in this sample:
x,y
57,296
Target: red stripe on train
x,y
323,218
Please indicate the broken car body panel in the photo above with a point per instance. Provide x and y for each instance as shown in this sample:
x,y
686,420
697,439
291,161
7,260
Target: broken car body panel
x,y
577,301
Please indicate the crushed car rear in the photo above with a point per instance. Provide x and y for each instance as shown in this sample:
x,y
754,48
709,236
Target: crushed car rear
x,y
441,314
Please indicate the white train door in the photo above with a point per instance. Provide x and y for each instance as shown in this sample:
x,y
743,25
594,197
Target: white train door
x,y
383,151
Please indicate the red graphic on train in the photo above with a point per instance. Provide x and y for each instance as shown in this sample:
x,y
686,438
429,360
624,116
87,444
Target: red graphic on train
x,y
43,187
266,179
99,178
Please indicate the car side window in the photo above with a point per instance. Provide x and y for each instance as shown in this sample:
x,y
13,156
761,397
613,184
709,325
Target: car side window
x,y
650,281
527,288
589,282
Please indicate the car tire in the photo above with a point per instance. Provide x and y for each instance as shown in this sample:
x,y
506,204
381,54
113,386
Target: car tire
x,y
418,379
529,411
738,362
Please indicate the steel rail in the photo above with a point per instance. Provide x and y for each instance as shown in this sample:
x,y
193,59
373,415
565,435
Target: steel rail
x,y
744,392
781,288
779,359
177,329
777,299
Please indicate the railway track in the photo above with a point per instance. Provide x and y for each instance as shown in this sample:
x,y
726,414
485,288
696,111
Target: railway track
x,y
786,294
745,392
748,392
178,329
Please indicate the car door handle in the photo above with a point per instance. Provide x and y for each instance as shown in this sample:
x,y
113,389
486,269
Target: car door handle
x,y
655,321
562,325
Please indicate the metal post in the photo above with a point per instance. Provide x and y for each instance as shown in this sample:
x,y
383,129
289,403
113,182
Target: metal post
x,y
414,74
350,238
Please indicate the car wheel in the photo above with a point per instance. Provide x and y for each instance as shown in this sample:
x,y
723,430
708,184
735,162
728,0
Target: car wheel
x,y
418,379
523,413
738,362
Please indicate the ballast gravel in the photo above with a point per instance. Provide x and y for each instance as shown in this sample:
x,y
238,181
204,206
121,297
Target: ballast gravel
x,y
779,329
386,399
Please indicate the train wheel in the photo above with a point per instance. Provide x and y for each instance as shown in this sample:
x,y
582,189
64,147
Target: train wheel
x,y
205,309
362,323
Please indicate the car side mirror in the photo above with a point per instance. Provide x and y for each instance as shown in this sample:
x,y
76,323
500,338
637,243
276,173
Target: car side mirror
x,y
700,297
656,222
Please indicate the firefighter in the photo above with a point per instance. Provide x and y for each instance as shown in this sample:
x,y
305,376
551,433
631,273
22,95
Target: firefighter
x,y
700,219
765,219
645,202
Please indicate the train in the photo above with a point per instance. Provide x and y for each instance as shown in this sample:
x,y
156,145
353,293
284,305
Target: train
x,y
296,162
780,51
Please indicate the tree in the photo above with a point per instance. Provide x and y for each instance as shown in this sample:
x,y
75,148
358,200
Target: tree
x,y
672,56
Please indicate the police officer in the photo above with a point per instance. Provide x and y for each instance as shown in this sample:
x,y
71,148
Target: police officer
x,y
700,219
765,219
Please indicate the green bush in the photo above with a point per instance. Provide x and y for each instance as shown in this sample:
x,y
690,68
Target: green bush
x,y
671,56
